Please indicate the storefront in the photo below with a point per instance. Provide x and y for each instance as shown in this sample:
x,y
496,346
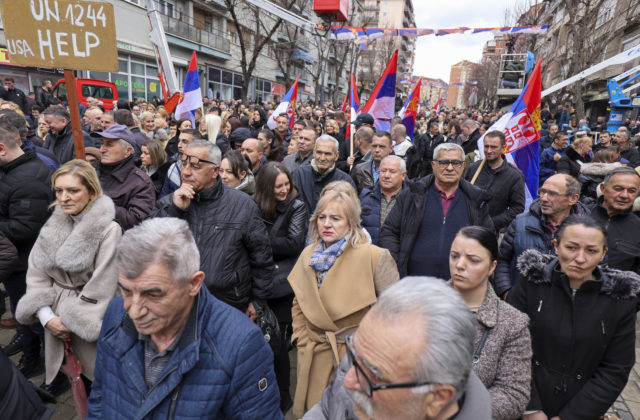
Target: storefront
x,y
27,78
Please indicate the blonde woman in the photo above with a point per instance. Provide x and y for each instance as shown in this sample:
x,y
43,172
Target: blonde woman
x,y
214,133
335,281
71,276
147,124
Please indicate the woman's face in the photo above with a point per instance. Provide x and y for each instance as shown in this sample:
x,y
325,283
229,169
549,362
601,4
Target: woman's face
x,y
281,187
173,130
186,125
332,224
319,130
145,156
266,143
584,149
329,129
256,116
42,124
470,264
226,174
71,195
35,113
149,124
579,251
293,147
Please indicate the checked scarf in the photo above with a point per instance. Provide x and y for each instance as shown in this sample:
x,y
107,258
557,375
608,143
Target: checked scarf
x,y
324,257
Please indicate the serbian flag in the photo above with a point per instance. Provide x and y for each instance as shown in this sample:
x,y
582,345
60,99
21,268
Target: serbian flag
x,y
409,111
521,127
381,102
354,106
437,106
191,96
287,105
343,108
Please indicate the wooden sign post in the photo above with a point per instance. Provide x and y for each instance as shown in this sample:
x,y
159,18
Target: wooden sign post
x,y
67,34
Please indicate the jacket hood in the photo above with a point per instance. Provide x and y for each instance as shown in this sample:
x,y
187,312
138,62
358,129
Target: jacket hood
x,y
537,267
598,168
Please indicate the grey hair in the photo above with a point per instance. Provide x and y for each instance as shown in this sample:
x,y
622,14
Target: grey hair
x,y
447,147
625,133
572,184
327,138
627,170
469,123
399,129
448,326
394,158
124,144
163,240
213,151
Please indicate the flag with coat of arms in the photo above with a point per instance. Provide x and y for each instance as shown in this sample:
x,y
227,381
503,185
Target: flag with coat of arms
x,y
191,96
288,106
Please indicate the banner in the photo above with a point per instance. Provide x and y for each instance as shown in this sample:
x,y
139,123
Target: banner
x,y
360,34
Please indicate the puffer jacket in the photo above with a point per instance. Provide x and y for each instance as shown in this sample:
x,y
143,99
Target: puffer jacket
x,y
400,229
19,398
25,194
220,369
8,257
370,199
527,231
583,341
235,254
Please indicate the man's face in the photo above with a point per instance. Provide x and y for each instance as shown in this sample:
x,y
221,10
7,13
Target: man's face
x,y
306,141
391,175
205,175
434,130
605,138
383,362
450,173
250,149
492,148
380,148
155,303
9,84
621,138
466,130
136,110
553,130
553,196
183,140
106,121
112,151
297,129
324,155
55,123
561,142
94,119
282,124
48,84
620,192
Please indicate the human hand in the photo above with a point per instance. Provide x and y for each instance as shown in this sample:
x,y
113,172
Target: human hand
x,y
58,329
251,312
538,415
350,160
182,196
557,157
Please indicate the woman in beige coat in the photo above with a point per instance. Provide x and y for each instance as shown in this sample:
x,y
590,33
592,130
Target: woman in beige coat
x,y
336,280
72,274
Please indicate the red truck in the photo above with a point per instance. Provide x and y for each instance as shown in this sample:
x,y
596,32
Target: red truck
x,y
99,89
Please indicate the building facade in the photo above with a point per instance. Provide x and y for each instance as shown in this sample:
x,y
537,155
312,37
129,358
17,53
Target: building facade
x,y
460,74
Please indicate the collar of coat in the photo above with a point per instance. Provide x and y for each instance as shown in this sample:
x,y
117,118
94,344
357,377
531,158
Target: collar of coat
x,y
536,267
119,170
25,157
60,245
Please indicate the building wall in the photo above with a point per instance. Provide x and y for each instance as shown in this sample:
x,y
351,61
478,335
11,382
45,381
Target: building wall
x,y
460,72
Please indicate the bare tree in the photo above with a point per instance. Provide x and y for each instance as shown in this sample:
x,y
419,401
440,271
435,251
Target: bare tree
x,y
285,52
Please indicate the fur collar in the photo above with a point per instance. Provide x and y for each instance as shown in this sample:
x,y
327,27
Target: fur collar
x,y
537,267
73,250
598,168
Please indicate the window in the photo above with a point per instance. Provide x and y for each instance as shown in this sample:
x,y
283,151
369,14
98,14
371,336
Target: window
x,y
166,7
606,12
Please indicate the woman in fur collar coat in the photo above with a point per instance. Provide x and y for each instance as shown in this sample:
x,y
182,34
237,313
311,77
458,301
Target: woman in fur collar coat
x,y
72,274
583,321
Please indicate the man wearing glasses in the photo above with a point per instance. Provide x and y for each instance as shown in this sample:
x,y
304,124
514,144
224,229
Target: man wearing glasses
x,y
536,228
379,379
227,227
427,216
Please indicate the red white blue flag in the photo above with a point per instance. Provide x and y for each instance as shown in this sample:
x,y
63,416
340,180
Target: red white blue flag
x,y
191,97
409,111
381,103
287,105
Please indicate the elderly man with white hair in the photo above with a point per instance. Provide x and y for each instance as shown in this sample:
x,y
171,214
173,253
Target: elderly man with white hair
x,y
428,376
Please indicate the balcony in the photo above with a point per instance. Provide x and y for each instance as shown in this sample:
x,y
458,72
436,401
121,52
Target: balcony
x,y
184,30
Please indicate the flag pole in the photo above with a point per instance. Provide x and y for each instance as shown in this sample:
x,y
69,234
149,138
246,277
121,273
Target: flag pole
x,y
475,176
350,143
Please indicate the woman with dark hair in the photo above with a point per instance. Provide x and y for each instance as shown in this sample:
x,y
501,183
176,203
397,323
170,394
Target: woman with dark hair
x,y
285,217
502,358
155,163
235,173
258,119
172,145
272,146
455,132
583,319
318,127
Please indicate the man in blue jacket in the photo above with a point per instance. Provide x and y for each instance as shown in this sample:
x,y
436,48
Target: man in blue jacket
x,y
168,349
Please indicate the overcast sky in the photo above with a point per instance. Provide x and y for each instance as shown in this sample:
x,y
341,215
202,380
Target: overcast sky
x,y
436,55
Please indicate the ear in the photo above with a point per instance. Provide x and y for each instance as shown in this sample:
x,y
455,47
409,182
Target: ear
x,y
555,245
574,199
436,401
195,283
492,268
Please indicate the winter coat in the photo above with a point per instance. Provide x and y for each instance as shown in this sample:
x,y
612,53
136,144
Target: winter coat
x,y
220,369
43,98
337,404
130,189
248,184
223,143
400,229
25,194
159,175
19,399
527,231
583,341
234,247
420,156
632,156
8,257
506,187
371,202
504,364
362,175
623,231
173,179
323,317
592,174
61,144
293,162
570,163
471,144
43,154
548,164
72,270
17,97
310,183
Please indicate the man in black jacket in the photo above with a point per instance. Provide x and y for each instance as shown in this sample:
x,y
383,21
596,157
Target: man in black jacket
x,y
25,194
502,180
471,130
13,94
426,217
227,226
60,138
419,160
44,95
613,210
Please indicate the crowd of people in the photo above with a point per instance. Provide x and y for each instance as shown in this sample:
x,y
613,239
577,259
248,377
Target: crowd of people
x,y
184,260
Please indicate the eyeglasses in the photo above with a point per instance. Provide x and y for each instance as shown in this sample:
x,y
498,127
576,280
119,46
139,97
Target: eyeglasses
x,y
551,194
367,386
445,163
194,161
